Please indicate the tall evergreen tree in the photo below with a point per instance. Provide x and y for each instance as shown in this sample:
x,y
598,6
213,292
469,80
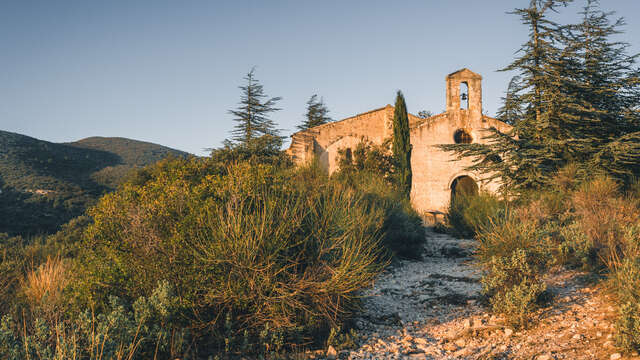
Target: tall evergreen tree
x,y
402,145
526,156
317,113
254,128
604,96
576,100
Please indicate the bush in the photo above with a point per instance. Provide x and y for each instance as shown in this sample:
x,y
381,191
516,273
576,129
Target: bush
x,y
604,216
575,249
369,158
19,256
514,285
513,253
628,326
470,214
403,230
342,339
625,280
259,256
370,169
506,235
121,332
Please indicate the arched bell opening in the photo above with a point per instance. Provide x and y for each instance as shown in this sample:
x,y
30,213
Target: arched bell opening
x,y
464,96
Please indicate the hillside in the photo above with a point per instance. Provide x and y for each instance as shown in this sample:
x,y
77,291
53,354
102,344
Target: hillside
x,y
44,184
130,153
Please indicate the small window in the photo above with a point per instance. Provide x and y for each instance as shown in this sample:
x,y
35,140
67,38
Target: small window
x,y
348,156
461,136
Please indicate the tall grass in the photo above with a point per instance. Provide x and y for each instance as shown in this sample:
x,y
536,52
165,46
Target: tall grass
x,y
604,215
43,286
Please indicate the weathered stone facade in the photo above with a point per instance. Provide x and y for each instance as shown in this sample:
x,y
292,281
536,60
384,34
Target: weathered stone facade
x,y
434,171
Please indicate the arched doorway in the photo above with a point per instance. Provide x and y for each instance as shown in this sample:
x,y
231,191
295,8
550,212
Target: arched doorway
x,y
463,185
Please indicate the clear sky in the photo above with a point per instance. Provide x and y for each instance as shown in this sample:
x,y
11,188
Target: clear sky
x,y
167,71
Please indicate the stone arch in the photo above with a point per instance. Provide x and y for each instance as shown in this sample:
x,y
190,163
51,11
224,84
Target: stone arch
x,y
461,174
463,184
329,156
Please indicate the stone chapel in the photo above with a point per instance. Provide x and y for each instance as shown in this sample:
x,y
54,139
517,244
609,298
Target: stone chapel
x,y
436,173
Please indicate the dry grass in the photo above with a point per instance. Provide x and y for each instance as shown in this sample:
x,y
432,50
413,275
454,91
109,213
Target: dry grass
x,y
43,287
505,236
605,216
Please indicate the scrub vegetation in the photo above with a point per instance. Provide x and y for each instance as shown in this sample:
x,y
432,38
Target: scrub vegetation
x,y
236,253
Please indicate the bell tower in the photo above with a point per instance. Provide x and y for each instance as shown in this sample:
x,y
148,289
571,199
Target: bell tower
x,y
464,93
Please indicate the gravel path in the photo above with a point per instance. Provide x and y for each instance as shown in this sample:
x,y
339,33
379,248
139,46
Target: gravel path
x,y
427,310
412,295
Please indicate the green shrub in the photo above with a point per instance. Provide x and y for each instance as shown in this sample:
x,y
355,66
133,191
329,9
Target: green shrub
x,y
506,235
369,168
368,158
341,340
514,285
470,214
280,252
628,326
143,330
625,281
575,249
513,253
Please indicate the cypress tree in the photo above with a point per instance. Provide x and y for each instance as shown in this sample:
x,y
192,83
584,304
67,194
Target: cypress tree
x,y
254,129
402,145
317,113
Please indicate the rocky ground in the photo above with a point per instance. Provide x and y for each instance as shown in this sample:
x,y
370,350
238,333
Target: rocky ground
x,y
428,310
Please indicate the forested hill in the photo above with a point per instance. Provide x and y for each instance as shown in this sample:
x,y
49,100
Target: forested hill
x,y
131,152
45,184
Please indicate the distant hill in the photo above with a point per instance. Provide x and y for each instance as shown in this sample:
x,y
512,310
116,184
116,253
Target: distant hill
x,y
45,184
131,153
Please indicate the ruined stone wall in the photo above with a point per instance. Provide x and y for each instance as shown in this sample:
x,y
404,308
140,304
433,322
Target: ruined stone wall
x,y
373,126
324,141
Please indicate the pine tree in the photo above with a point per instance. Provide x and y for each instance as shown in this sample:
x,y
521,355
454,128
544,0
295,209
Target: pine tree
x,y
575,100
425,114
533,150
402,145
317,113
512,109
254,129
605,95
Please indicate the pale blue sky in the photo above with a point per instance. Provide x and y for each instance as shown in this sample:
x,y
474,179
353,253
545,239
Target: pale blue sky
x,y
167,71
